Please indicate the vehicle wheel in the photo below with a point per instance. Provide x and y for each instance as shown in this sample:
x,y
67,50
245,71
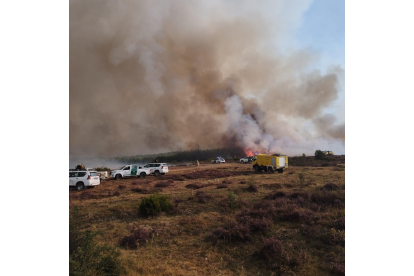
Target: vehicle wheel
x,y
142,174
118,176
156,173
270,170
80,186
242,162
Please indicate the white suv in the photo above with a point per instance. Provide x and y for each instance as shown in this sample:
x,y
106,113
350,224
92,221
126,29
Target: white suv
x,y
219,160
157,168
82,179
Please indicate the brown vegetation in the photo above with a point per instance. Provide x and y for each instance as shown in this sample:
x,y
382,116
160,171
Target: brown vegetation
x,y
216,224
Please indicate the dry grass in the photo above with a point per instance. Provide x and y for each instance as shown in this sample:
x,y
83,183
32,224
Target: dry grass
x,y
300,227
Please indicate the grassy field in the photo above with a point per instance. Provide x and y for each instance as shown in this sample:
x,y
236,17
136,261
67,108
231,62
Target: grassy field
x,y
224,220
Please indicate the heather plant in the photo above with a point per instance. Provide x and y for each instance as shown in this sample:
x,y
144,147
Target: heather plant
x,y
140,190
194,186
86,257
252,188
202,196
138,237
163,184
329,187
233,231
280,255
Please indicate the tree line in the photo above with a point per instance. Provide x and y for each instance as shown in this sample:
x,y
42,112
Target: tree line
x,y
185,156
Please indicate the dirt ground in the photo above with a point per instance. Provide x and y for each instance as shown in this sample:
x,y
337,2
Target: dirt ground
x,y
302,209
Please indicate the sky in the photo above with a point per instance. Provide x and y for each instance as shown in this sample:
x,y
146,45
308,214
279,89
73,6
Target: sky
x,y
323,30
150,77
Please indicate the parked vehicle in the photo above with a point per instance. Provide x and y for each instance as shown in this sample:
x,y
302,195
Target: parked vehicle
x,y
218,160
247,159
270,163
83,178
328,152
157,168
103,175
130,171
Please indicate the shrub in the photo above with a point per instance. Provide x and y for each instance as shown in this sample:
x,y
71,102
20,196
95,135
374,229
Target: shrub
x,y
194,186
324,198
121,187
252,188
319,155
177,178
154,205
255,224
163,184
140,190
274,252
329,187
233,231
296,195
243,182
86,257
222,186
226,182
202,196
271,249
275,195
138,238
116,193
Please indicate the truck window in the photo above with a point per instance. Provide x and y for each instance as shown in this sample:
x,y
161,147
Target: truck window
x,y
126,168
73,174
94,174
81,174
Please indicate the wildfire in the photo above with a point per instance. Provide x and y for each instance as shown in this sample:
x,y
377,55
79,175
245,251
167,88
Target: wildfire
x,y
249,152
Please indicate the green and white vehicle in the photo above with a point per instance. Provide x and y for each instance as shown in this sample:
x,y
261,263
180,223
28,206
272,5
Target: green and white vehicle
x,y
130,171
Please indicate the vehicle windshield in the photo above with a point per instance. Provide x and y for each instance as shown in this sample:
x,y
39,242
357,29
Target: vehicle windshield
x,y
121,168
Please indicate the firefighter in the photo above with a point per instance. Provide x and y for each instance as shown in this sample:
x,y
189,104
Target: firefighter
x,y
198,164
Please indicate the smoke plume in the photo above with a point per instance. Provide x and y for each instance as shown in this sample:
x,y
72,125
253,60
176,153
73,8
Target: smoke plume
x,y
157,76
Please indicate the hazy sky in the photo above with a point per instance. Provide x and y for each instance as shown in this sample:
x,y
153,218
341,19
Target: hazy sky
x,y
323,30
156,76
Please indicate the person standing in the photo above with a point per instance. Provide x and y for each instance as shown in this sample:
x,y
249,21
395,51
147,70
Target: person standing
x,y
198,164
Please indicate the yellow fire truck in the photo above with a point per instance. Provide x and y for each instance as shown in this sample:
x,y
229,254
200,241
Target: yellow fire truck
x,y
270,163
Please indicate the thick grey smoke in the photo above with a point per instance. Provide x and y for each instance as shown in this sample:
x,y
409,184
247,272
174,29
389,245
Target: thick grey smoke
x,y
156,76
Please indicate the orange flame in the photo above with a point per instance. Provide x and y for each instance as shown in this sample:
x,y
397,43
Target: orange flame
x,y
248,152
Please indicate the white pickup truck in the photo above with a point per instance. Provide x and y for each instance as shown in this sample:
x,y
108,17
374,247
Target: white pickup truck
x,y
130,170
